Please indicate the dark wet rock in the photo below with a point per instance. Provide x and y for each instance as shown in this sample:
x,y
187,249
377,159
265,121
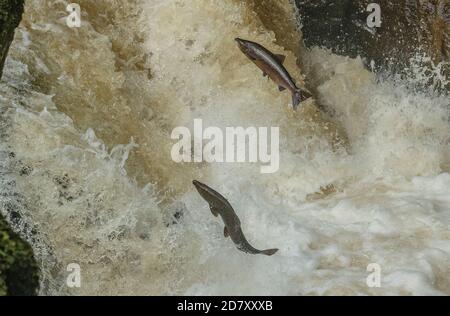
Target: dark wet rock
x,y
409,27
10,16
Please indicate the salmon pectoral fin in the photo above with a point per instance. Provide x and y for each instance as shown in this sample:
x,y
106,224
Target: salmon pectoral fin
x,y
281,58
281,88
225,232
264,74
214,211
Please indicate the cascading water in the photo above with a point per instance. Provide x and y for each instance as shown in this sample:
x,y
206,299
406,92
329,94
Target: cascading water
x,y
87,116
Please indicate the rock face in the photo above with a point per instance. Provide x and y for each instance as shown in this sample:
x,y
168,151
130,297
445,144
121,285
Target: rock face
x,y
10,16
18,268
408,27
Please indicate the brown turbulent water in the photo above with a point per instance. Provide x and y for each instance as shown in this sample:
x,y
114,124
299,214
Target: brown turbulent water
x,y
88,114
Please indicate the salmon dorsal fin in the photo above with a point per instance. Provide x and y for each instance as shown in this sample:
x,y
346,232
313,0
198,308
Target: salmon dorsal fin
x,y
281,58
225,232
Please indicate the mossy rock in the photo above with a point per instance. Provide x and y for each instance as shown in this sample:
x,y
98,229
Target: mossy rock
x,y
19,273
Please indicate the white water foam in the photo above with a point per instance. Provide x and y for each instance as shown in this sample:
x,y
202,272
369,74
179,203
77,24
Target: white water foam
x,y
388,202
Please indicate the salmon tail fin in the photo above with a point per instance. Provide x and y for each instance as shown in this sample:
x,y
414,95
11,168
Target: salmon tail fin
x,y
298,97
269,252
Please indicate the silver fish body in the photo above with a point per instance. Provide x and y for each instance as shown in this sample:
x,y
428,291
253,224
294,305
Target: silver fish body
x,y
272,66
220,206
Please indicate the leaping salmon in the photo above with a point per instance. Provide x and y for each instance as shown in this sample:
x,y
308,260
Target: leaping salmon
x,y
220,206
272,66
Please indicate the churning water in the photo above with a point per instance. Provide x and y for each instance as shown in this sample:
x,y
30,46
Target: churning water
x,y
87,177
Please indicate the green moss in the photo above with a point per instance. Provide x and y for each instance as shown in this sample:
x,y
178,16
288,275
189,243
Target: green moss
x,y
19,274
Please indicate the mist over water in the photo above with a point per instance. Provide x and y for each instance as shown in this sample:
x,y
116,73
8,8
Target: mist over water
x,y
86,121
